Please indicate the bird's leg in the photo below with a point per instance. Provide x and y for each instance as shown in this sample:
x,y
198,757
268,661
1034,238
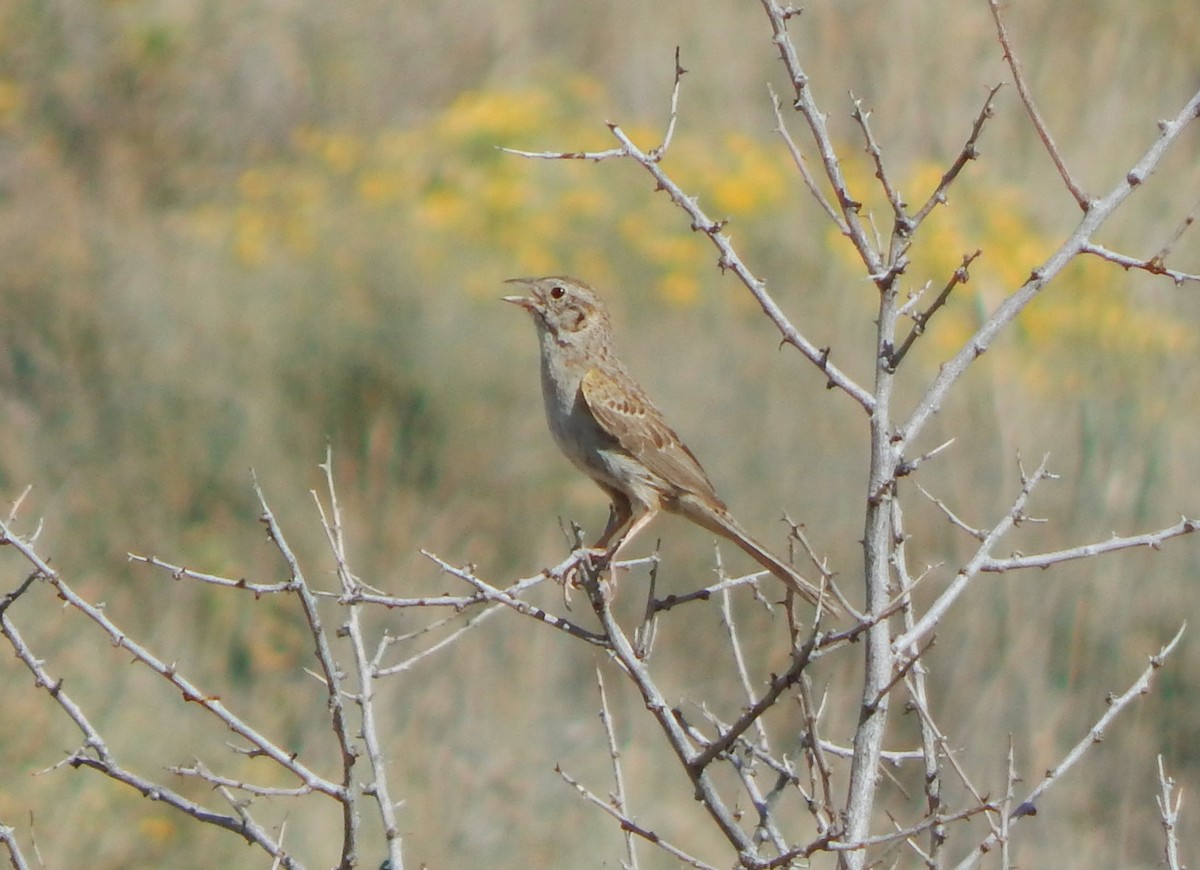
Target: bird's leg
x,y
620,512
638,524
599,554
609,556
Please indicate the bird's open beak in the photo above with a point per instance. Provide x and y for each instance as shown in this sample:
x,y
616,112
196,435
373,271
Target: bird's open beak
x,y
523,301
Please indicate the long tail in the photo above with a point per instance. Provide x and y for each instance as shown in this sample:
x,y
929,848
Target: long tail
x,y
720,522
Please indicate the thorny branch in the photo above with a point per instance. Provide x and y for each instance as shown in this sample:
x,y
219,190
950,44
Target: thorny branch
x,y
366,673
728,257
1028,807
906,642
1035,116
1096,214
1169,804
696,753
1154,265
1152,540
961,276
95,753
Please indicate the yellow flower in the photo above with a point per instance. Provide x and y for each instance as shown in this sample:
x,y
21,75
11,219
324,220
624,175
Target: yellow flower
x,y
157,831
12,100
381,186
443,208
755,182
494,116
255,184
503,193
250,236
680,288
341,151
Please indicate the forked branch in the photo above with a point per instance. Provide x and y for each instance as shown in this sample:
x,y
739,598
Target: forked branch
x,y
1095,735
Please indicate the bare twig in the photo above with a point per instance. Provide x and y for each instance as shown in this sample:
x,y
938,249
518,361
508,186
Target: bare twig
x,y
900,217
739,661
1116,705
442,644
944,750
645,634
1154,265
767,828
673,115
1168,810
492,593
458,602
331,674
378,787
969,152
620,802
681,744
15,857
801,658
1016,514
961,276
908,466
728,257
1153,540
15,509
191,692
630,825
898,835
706,593
1010,791
851,224
178,572
1099,211
955,519
200,771
929,733
822,809
1184,226
96,755
1035,116
797,533
802,166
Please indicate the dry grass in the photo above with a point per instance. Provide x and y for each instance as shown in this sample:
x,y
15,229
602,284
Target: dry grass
x,y
229,236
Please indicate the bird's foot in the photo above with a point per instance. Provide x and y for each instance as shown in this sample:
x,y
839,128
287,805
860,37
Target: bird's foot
x,y
572,571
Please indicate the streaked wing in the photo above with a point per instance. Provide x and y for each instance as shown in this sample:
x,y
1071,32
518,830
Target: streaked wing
x,y
622,408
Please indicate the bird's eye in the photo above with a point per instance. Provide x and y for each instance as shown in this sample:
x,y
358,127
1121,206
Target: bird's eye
x,y
557,292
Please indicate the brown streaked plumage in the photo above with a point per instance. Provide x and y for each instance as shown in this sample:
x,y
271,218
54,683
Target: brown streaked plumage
x,y
604,422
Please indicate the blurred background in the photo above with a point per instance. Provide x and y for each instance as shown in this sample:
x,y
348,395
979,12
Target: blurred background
x,y
233,233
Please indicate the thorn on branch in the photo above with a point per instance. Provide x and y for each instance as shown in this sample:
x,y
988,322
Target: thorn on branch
x,y
968,153
1155,265
961,276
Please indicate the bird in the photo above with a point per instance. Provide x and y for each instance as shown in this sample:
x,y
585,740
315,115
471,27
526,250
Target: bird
x,y
608,427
